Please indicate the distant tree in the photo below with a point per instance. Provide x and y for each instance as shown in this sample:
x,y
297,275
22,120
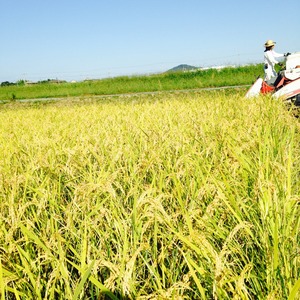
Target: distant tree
x,y
21,82
6,83
44,81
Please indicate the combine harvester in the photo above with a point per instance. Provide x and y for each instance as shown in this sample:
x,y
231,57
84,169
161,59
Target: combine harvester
x,y
285,86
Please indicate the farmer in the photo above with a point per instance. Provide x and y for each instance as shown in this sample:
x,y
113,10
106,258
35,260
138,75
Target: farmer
x,y
270,60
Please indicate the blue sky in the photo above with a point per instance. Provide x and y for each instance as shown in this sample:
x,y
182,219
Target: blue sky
x,y
77,40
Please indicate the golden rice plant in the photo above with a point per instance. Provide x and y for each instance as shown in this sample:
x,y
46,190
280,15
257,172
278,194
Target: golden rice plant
x,y
182,196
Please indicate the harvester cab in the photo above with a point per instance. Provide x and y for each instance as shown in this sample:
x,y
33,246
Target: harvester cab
x,y
292,67
292,61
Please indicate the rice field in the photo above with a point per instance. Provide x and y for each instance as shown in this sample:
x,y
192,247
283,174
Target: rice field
x,y
180,196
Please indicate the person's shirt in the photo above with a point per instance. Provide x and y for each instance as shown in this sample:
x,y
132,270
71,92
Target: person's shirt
x,y
271,58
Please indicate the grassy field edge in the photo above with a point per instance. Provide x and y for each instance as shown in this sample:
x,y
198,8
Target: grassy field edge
x,y
229,76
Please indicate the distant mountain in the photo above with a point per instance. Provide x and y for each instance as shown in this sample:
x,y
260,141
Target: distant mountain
x,y
182,67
